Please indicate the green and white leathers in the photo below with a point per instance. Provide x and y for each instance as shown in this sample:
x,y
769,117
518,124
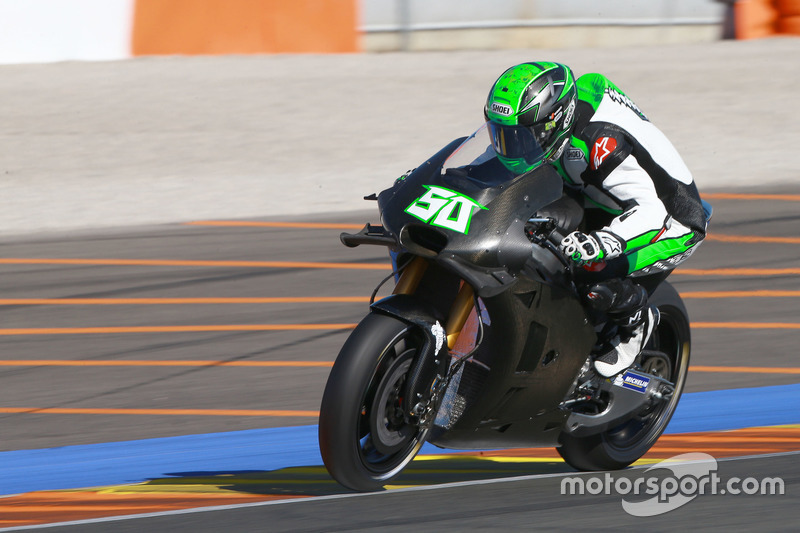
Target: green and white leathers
x,y
605,147
530,112
626,166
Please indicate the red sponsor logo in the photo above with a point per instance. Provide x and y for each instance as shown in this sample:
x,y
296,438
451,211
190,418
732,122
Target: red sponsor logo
x,y
601,149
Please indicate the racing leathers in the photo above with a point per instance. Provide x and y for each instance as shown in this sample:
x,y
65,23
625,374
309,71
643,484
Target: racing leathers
x,y
644,215
627,167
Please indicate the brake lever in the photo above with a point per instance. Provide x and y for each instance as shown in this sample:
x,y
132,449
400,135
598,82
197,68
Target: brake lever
x,y
544,232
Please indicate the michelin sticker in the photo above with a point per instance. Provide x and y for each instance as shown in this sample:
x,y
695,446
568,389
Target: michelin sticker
x,y
632,381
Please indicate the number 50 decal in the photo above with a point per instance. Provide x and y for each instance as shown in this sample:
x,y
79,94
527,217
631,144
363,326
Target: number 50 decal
x,y
444,208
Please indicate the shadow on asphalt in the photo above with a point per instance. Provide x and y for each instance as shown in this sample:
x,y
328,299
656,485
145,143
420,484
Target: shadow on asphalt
x,y
315,480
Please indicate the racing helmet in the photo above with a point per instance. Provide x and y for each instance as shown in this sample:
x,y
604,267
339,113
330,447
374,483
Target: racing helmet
x,y
530,112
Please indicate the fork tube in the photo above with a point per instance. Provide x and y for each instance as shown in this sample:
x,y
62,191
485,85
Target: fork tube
x,y
459,312
411,276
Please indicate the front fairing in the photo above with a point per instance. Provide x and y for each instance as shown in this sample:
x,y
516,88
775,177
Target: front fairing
x,y
463,205
466,213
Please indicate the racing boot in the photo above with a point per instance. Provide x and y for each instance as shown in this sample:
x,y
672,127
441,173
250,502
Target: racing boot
x,y
620,353
630,323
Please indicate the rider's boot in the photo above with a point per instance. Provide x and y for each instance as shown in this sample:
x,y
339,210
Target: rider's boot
x,y
622,350
624,302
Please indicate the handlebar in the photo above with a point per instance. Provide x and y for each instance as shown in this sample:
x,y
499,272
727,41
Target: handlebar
x,y
544,232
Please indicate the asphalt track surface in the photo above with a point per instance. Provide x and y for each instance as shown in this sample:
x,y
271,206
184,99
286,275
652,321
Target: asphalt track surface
x,y
220,326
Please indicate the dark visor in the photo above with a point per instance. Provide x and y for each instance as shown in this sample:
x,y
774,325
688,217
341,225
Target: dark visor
x,y
516,142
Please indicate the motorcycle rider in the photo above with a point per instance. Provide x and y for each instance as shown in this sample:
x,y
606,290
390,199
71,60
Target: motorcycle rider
x,y
643,213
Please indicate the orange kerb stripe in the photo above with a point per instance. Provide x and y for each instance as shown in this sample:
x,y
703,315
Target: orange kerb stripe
x,y
736,272
740,294
180,301
170,412
744,369
752,239
263,224
738,196
745,325
174,329
50,507
71,362
191,263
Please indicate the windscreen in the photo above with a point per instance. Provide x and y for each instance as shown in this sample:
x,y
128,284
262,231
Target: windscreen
x,y
475,150
477,159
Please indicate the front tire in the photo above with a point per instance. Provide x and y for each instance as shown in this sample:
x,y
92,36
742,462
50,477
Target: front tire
x,y
364,434
667,356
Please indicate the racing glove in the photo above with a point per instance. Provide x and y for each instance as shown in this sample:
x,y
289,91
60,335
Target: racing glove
x,y
592,248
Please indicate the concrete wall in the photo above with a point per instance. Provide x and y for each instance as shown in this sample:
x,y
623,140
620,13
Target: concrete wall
x,y
33,31
388,14
474,24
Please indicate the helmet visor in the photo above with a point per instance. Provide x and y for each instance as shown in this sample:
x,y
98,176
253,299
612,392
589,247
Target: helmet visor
x,y
515,142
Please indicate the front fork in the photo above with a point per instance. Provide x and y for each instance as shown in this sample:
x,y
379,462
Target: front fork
x,y
460,309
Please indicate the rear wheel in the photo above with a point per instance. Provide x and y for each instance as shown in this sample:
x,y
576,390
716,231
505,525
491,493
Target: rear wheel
x,y
364,434
667,356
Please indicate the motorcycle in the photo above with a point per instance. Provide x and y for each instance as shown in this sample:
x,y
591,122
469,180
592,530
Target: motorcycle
x,y
484,342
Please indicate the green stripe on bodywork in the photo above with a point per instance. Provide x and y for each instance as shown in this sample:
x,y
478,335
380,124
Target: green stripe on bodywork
x,y
646,256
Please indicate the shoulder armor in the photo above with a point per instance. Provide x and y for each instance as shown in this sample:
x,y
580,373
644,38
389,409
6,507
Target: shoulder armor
x,y
607,146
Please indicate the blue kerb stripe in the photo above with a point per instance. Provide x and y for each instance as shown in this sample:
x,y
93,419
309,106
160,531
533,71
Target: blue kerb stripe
x,y
736,409
235,452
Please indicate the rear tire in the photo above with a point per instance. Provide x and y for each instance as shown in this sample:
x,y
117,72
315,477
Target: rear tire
x,y
364,437
666,355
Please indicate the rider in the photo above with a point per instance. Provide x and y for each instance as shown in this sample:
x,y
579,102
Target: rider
x,y
643,213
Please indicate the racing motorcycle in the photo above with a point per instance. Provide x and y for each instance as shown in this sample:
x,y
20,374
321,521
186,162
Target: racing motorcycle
x,y
484,342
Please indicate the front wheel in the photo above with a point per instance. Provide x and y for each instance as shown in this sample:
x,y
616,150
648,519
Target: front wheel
x,y
364,434
666,355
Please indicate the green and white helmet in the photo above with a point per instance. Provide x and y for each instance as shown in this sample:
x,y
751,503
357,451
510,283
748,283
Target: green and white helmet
x,y
530,113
